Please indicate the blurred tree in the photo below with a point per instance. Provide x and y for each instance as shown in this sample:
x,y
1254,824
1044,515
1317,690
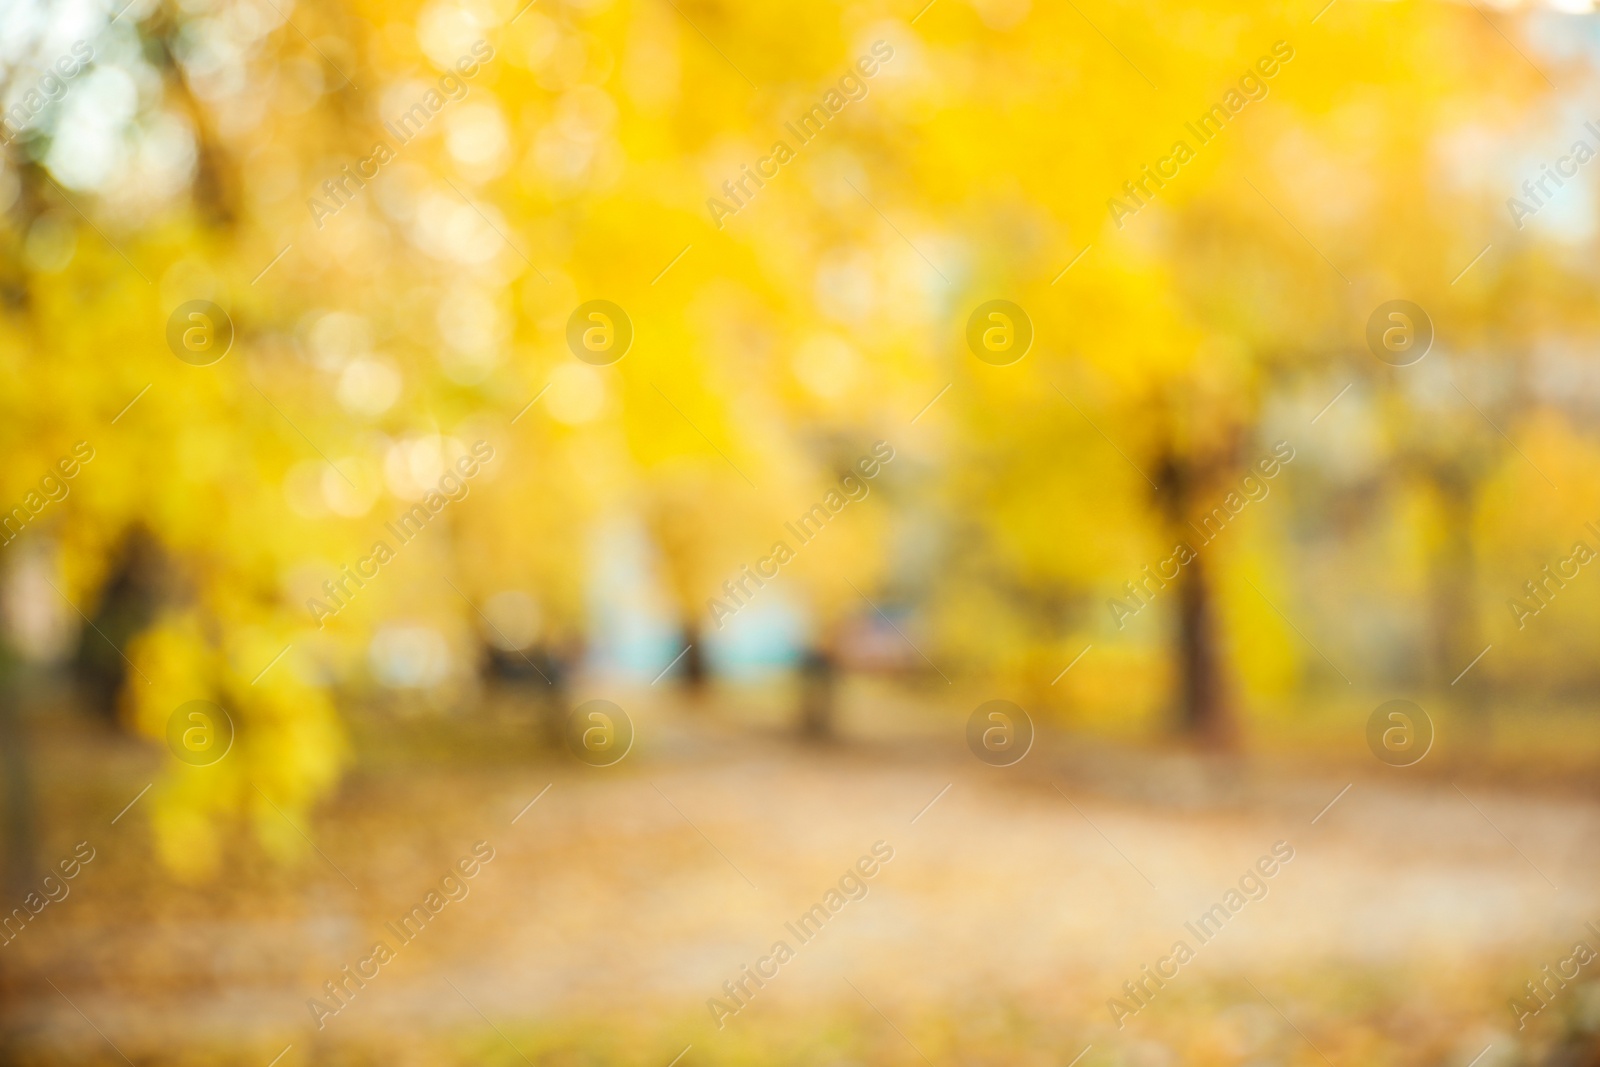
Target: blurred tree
x,y
393,308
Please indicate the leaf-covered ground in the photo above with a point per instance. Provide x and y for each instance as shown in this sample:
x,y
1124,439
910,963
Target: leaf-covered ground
x,y
1013,909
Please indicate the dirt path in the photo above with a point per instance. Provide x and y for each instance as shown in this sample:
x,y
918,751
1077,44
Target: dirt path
x,y
634,892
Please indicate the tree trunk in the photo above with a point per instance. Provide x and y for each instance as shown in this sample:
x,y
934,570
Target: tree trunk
x,y
1203,711
128,603
819,675
1454,622
20,815
1202,700
696,672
